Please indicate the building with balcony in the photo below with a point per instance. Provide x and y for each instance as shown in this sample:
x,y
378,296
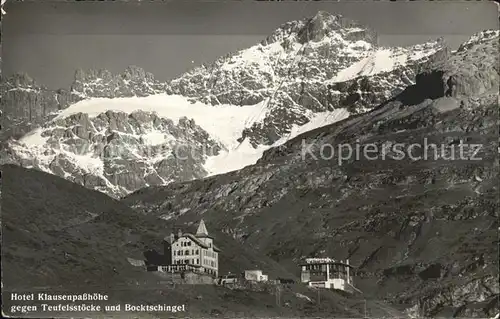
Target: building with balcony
x,y
328,273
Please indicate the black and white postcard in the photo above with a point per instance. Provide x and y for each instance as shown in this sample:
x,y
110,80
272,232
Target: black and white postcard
x,y
250,159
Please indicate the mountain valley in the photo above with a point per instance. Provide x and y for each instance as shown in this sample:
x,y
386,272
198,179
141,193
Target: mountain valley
x,y
269,146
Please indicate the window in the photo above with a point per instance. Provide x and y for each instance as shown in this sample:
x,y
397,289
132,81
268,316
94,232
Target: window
x,y
197,252
189,243
197,261
187,252
186,261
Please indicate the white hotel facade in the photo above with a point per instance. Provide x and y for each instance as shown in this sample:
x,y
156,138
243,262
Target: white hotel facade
x,y
195,252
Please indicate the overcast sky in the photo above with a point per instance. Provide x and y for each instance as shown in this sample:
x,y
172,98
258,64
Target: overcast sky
x,y
50,40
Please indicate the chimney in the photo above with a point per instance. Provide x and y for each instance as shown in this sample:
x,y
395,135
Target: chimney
x,y
179,233
172,238
348,272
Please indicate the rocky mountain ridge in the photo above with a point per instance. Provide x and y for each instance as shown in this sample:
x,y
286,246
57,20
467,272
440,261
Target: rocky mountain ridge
x,y
134,81
29,104
307,74
26,104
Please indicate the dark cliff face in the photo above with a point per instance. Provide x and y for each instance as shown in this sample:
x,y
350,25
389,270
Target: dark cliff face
x,y
28,105
366,92
422,233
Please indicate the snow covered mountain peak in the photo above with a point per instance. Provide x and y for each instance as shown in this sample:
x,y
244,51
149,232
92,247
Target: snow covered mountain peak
x,y
297,70
307,74
131,73
316,28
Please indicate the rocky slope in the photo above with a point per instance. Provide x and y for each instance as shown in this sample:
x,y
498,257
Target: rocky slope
x,y
126,154
60,238
307,74
419,222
